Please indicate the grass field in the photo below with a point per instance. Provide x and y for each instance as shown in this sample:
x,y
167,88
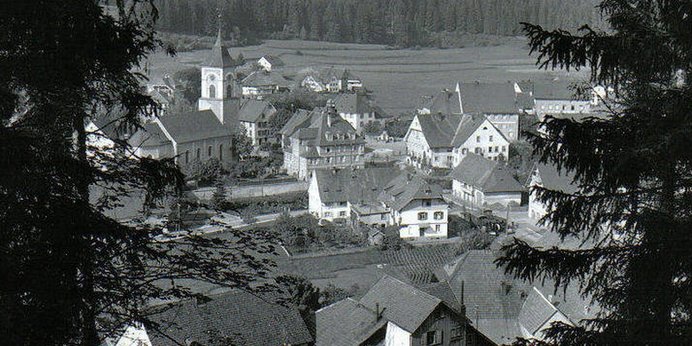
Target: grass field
x,y
398,78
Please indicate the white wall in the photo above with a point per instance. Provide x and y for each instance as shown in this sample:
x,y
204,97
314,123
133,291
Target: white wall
x,y
487,136
396,336
407,218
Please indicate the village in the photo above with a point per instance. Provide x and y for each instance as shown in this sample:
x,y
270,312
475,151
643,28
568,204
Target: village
x,y
397,219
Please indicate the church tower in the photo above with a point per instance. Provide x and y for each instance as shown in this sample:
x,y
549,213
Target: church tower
x,y
219,83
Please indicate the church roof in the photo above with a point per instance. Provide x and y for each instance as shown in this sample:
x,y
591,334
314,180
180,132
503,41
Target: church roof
x,y
194,126
219,57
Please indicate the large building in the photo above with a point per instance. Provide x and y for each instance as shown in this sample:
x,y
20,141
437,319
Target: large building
x,y
320,139
479,182
358,110
254,116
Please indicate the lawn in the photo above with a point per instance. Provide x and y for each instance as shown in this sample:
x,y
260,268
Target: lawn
x,y
398,78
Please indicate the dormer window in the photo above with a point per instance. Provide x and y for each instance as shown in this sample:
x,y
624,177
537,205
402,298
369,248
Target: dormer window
x,y
330,136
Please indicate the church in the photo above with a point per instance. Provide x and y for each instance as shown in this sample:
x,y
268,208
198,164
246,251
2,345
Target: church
x,y
204,133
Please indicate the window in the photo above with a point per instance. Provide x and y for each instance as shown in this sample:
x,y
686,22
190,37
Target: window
x,y
327,214
209,151
433,337
422,216
490,149
383,217
497,149
456,332
342,204
220,152
477,151
426,203
464,151
342,213
439,215
212,91
478,139
504,148
437,228
199,153
187,156
491,138
572,107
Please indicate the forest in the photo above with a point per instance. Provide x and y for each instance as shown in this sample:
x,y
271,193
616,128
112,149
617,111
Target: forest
x,y
399,23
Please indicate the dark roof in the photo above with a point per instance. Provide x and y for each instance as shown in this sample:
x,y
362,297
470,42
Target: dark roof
x,y
264,78
400,303
352,103
467,126
556,90
301,118
485,175
535,311
341,130
194,126
553,179
476,98
405,188
344,323
219,56
150,135
348,75
438,129
251,110
243,317
273,60
492,307
353,185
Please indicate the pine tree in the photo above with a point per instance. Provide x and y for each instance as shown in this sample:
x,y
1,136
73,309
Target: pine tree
x,y
70,273
633,172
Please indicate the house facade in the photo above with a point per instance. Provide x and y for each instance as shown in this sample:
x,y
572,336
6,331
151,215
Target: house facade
x,y
320,139
547,177
260,84
357,109
479,182
268,62
254,116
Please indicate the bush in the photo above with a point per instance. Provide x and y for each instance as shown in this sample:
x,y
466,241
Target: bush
x,y
473,239
392,240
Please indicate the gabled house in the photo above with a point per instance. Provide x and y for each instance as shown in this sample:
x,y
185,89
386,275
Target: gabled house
x,y
269,62
350,194
260,84
442,141
320,139
254,116
537,314
547,177
234,318
480,182
556,97
416,206
496,101
358,110
395,313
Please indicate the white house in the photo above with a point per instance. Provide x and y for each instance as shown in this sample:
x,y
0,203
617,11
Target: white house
x,y
417,207
547,177
260,84
442,141
358,110
254,116
269,62
480,182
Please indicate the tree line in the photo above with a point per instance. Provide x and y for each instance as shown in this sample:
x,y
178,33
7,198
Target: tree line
x,y
401,23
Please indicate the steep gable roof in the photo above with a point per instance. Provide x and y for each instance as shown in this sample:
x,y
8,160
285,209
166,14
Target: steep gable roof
x,y
264,78
400,303
406,188
535,311
353,185
476,97
486,175
467,127
238,315
301,118
251,110
193,126
353,103
438,129
556,180
345,322
150,135
555,90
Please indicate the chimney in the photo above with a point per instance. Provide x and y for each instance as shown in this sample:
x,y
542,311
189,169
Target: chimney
x,y
506,286
378,312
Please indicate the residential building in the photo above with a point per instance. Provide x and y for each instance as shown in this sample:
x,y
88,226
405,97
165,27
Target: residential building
x,y
396,313
442,141
269,62
235,318
416,206
350,194
547,177
260,84
254,116
537,314
320,139
557,97
332,80
497,101
480,182
358,110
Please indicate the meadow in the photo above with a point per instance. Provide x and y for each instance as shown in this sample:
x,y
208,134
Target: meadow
x,y
397,78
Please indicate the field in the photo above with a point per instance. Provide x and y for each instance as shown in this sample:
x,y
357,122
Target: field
x,y
398,78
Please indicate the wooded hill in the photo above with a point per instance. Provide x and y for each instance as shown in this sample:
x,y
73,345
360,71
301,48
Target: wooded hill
x,y
402,23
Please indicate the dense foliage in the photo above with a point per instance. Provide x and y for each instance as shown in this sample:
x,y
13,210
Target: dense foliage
x,y
402,23
632,208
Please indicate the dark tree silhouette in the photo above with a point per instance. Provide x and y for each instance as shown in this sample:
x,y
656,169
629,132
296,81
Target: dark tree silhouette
x,y
70,274
633,171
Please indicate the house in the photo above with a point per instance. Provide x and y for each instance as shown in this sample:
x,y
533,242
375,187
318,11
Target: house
x,y
349,82
357,109
320,139
547,177
442,141
350,194
268,62
504,308
416,206
557,97
497,101
234,318
260,84
396,313
480,182
203,134
254,116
